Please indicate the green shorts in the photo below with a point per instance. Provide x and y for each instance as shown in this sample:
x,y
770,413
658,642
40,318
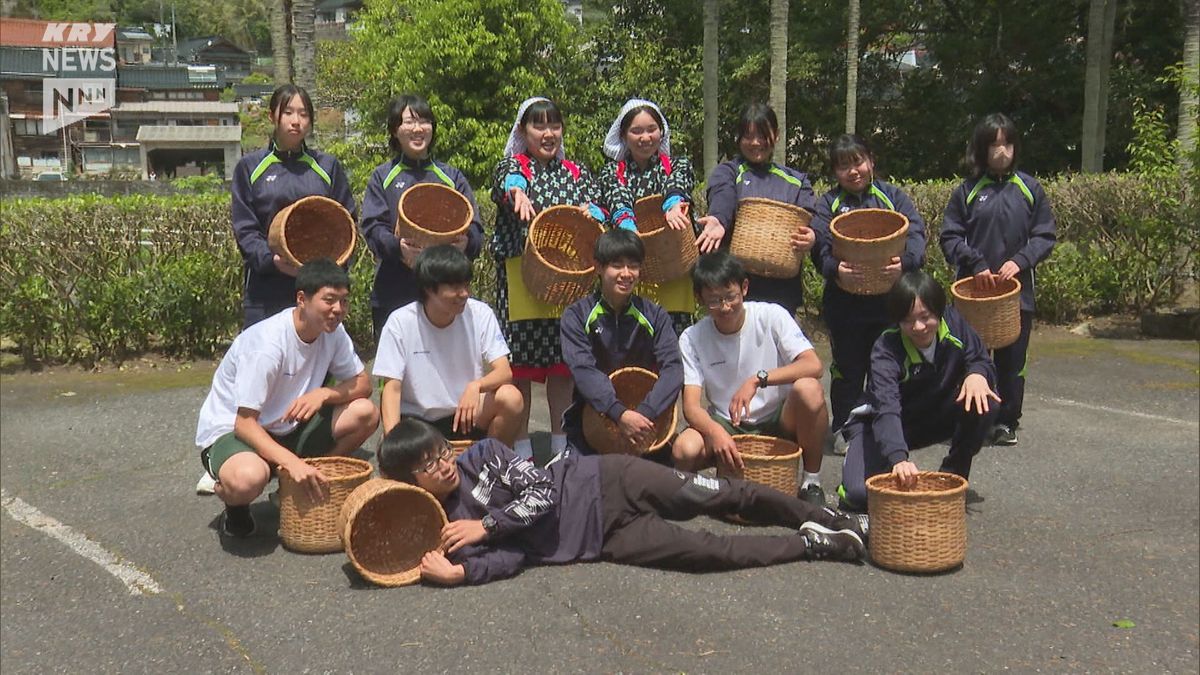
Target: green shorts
x,y
446,424
765,427
314,438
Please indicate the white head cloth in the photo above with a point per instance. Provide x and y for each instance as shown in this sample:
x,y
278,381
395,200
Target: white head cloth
x,y
614,144
516,138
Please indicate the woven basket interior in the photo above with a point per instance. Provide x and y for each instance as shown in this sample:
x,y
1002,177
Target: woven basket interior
x,y
435,208
764,446
393,530
649,215
926,482
868,224
966,289
317,229
566,239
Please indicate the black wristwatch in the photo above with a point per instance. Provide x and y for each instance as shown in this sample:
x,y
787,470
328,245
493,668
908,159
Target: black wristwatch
x,y
762,379
489,524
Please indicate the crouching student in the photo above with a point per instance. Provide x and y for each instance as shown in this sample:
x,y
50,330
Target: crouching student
x,y
930,381
612,329
505,513
758,371
267,409
443,358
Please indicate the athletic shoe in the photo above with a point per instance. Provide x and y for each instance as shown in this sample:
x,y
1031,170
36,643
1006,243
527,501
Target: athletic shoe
x,y
859,523
237,521
844,505
813,494
1003,434
206,485
840,444
826,544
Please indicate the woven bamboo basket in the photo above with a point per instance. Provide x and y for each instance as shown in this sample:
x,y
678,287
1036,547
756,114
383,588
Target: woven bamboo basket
x,y
459,447
923,529
632,385
869,237
670,253
312,528
310,228
558,265
770,461
995,314
386,527
431,213
762,238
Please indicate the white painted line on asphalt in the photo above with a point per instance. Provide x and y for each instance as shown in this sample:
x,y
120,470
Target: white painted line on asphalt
x,y
137,581
1131,413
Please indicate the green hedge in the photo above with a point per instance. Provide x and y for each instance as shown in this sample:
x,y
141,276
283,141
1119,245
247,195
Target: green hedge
x,y
88,278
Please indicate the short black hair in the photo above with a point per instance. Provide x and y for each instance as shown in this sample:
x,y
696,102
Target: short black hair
x,y
983,137
419,107
406,446
758,117
542,112
910,287
321,273
717,270
616,244
627,120
441,264
849,149
284,94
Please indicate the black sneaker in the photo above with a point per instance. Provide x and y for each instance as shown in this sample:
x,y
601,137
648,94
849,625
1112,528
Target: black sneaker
x,y
826,544
813,494
857,523
1003,434
237,521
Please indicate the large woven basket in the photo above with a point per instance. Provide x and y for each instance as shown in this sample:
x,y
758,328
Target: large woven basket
x,y
923,529
310,228
386,527
762,238
631,385
431,213
995,314
670,253
312,528
869,237
558,266
770,461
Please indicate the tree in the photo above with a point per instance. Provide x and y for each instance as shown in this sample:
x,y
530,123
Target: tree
x,y
779,74
304,46
1101,15
712,18
281,40
1189,88
852,68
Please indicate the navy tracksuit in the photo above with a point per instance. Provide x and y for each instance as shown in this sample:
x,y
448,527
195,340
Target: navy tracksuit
x,y
854,321
909,403
264,183
395,285
738,179
988,222
597,340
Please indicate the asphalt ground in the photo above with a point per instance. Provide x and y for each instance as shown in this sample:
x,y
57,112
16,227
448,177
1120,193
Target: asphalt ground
x,y
110,563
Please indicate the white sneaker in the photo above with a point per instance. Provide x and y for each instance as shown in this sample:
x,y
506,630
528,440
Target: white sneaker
x,y
206,485
840,446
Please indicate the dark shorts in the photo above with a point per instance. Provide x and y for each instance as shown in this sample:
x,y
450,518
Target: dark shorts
x,y
314,438
445,425
766,427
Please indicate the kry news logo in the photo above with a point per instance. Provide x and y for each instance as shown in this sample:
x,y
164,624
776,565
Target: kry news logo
x,y
77,48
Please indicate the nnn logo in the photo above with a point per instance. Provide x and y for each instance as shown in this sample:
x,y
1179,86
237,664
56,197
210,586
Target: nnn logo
x,y
68,100
85,49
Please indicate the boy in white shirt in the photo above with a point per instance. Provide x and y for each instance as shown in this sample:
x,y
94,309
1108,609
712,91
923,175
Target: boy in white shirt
x,y
433,355
759,372
267,408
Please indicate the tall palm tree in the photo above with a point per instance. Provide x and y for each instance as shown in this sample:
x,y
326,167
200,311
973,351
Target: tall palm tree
x,y
852,69
779,54
281,39
712,14
1190,86
304,16
1101,17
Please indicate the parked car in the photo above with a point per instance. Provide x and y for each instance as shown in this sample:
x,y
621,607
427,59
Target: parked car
x,y
50,176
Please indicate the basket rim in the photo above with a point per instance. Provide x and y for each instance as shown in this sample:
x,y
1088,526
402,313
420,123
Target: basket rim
x,y
1003,296
348,218
436,187
774,202
768,458
364,467
379,487
901,231
531,247
874,485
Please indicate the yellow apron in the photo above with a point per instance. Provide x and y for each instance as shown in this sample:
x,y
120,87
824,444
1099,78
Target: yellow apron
x,y
673,296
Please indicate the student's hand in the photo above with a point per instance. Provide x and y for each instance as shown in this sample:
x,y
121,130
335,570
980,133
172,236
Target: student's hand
x,y
636,429
677,217
409,250
1008,270
985,280
975,390
521,206
803,239
311,480
725,450
905,473
850,274
435,568
739,405
285,267
468,408
460,533
303,408
460,242
712,234
892,270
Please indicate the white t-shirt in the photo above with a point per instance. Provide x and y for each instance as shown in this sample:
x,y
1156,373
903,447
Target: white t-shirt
x,y
268,367
434,365
721,363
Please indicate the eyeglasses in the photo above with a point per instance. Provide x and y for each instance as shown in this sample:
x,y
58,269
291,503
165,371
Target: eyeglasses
x,y
728,301
432,463
413,124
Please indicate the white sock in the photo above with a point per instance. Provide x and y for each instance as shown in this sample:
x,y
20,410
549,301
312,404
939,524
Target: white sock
x,y
523,448
558,443
810,478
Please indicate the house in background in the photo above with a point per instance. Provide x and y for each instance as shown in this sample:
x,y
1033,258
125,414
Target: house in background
x,y
231,60
177,138
159,82
333,17
134,46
